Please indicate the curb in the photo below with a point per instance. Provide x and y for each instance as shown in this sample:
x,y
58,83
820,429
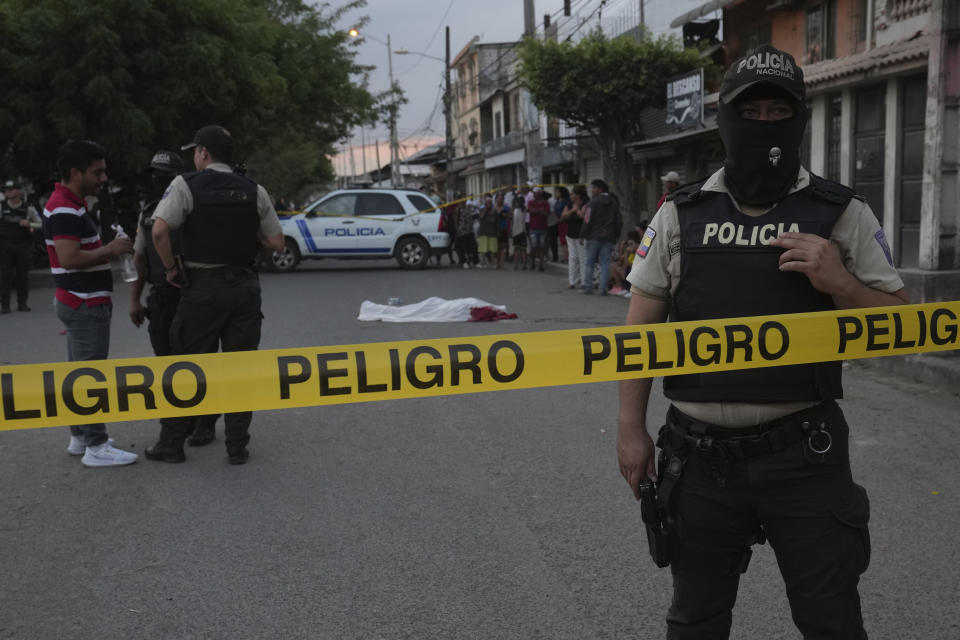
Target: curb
x,y
941,369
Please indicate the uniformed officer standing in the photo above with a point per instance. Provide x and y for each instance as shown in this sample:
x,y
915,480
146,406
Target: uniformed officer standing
x,y
759,454
223,217
163,299
18,221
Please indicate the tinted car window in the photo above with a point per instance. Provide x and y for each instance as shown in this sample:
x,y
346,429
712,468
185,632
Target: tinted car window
x,y
421,203
378,204
341,205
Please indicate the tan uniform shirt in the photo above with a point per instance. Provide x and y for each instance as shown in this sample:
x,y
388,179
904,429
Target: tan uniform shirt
x,y
177,204
856,234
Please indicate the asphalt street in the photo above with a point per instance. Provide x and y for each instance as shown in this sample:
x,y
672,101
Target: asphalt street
x,y
482,516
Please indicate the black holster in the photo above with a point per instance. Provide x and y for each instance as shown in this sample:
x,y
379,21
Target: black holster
x,y
657,536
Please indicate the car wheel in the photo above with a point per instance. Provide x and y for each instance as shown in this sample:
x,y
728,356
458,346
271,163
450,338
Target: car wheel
x,y
412,253
287,258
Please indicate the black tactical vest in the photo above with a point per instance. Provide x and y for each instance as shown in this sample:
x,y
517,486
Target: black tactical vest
x,y
10,217
156,274
223,226
728,269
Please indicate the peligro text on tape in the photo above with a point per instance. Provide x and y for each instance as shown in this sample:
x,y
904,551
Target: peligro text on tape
x,y
65,393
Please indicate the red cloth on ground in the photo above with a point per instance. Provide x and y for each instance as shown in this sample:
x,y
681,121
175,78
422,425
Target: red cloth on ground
x,y
489,314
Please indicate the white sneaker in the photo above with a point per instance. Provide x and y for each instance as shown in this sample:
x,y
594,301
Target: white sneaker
x,y
77,448
105,455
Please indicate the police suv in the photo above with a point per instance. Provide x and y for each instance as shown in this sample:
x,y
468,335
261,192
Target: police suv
x,y
363,223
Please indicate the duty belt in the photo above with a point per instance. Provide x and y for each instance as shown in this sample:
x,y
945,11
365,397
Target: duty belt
x,y
750,442
225,273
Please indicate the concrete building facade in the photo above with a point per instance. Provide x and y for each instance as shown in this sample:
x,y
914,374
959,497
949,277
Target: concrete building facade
x,y
883,86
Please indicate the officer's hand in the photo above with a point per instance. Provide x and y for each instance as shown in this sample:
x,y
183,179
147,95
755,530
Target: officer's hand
x,y
137,314
635,453
172,276
120,246
815,257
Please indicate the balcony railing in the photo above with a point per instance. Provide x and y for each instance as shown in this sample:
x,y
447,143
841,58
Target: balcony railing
x,y
903,9
503,144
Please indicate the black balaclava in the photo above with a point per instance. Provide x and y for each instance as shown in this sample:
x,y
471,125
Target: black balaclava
x,y
159,181
164,167
763,156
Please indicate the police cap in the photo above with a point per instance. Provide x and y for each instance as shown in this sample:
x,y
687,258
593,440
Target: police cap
x,y
215,138
167,161
763,65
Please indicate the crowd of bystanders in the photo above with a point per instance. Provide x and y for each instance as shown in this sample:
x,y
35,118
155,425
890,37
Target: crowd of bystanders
x,y
530,227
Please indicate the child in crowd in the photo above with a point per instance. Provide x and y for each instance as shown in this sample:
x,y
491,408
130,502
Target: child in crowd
x,y
621,267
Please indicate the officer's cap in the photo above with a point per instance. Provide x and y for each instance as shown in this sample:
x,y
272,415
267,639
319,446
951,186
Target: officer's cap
x,y
213,137
10,184
167,161
763,65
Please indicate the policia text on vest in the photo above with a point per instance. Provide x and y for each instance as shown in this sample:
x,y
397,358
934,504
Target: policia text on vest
x,y
46,395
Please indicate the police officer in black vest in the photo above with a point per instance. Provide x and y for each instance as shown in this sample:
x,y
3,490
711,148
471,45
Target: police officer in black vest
x,y
223,218
18,220
163,298
759,454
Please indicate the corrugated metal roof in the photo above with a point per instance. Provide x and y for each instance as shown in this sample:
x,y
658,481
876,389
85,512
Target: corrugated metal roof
x,y
916,47
702,10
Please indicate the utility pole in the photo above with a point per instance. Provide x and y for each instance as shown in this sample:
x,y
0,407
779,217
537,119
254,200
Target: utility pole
x,y
529,18
363,157
641,21
394,142
448,108
353,167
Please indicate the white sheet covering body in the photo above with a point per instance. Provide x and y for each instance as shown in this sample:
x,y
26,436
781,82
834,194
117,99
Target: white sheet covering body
x,y
430,310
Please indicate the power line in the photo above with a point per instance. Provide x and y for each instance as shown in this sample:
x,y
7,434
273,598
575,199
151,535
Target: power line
x,y
506,51
432,38
586,20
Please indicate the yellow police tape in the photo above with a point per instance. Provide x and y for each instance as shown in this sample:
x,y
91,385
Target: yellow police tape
x,y
46,395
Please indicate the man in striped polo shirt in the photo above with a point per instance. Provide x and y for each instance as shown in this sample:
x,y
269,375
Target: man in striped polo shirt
x,y
80,264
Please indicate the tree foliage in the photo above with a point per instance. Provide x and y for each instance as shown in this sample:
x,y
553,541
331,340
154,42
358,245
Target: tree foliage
x,y
602,86
139,75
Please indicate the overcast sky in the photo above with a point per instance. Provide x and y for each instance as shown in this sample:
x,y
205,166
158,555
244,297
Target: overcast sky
x,y
418,26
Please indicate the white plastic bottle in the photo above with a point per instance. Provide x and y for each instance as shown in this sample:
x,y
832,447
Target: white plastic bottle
x,y
128,267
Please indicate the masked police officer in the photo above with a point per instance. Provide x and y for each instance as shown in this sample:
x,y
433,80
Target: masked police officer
x,y
758,454
163,298
223,218
18,220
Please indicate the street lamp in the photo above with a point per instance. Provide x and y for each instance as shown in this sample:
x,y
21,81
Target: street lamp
x,y
447,108
394,142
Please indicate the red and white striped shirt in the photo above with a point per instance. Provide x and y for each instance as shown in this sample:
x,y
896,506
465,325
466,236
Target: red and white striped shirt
x,y
65,216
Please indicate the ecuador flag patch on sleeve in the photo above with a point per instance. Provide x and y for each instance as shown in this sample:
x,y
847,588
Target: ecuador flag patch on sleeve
x,y
646,242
